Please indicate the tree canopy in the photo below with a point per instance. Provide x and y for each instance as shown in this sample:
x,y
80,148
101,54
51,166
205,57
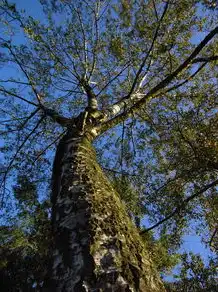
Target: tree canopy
x,y
148,69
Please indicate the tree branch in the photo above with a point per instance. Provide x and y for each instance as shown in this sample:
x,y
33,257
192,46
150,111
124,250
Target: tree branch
x,y
17,96
48,112
126,65
182,206
115,108
119,172
188,79
96,41
56,117
205,59
212,237
135,107
149,51
15,81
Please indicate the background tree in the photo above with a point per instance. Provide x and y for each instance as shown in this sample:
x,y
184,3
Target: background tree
x,y
195,275
24,241
130,76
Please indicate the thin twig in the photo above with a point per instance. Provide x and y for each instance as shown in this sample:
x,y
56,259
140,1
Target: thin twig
x,y
17,96
126,65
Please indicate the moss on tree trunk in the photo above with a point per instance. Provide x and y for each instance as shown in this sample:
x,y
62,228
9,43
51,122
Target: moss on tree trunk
x,y
96,246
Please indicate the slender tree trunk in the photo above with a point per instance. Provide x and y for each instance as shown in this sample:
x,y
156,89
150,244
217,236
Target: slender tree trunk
x,y
96,246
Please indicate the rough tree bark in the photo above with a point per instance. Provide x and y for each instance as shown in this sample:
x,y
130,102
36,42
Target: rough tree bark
x,y
96,246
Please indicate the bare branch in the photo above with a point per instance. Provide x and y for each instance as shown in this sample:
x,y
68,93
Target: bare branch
x,y
118,106
84,41
12,120
122,146
15,81
17,96
119,172
29,117
58,59
92,100
48,112
126,65
155,10
96,41
97,17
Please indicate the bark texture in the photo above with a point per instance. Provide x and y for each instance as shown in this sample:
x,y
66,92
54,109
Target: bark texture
x,y
96,246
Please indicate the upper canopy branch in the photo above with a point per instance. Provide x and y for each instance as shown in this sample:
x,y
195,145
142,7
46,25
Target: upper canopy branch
x,y
133,103
138,74
205,59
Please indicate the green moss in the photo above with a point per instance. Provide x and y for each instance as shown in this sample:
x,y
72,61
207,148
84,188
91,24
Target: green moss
x,y
94,247
109,218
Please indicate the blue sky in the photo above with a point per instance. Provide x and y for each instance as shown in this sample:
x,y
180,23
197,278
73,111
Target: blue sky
x,y
32,7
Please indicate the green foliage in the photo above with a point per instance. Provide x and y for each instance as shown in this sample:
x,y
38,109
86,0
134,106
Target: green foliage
x,y
117,47
164,258
129,195
195,276
24,241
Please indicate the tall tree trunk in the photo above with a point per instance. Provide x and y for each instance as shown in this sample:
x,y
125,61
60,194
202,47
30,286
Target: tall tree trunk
x,y
96,246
